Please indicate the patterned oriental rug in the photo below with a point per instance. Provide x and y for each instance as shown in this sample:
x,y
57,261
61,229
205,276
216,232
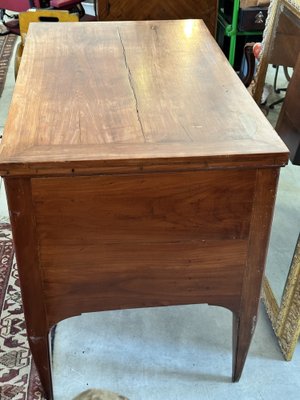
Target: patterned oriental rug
x,y
18,376
7,44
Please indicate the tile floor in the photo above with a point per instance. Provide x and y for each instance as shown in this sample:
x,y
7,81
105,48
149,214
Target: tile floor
x,y
174,352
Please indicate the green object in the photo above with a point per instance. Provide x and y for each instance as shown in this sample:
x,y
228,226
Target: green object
x,y
231,29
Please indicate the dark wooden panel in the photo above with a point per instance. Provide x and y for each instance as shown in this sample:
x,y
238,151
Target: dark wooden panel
x,y
127,241
135,10
182,279
146,208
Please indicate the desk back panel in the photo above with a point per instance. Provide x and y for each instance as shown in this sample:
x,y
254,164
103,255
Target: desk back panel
x,y
148,240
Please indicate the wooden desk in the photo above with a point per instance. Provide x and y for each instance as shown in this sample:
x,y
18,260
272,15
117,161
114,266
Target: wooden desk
x,y
139,172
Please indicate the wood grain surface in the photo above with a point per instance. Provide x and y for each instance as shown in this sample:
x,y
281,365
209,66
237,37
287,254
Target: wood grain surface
x,y
134,10
131,95
142,240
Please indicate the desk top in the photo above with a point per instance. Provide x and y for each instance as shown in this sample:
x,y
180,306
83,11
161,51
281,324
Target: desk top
x,y
127,96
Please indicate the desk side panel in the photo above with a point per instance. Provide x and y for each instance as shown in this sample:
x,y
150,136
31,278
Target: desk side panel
x,y
112,242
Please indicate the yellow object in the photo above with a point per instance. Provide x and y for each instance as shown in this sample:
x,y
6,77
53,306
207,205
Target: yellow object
x,y
25,18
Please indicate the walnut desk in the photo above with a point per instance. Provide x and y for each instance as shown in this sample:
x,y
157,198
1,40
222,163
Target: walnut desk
x,y
139,172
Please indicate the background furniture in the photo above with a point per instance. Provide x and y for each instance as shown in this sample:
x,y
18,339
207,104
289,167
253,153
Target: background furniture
x,y
288,124
11,21
229,24
276,89
142,190
281,44
25,18
136,10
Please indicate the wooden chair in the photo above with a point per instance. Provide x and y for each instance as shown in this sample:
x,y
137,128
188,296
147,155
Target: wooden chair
x,y
288,124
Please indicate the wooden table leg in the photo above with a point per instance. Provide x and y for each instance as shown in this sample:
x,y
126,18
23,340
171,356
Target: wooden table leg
x,y
243,330
40,350
245,319
23,225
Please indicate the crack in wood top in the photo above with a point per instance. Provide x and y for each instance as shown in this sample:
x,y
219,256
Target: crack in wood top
x,y
131,84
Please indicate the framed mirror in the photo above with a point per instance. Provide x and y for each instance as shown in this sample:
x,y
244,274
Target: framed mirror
x,y
281,287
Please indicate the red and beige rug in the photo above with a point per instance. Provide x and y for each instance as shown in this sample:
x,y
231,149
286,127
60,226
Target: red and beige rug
x,y
18,376
7,44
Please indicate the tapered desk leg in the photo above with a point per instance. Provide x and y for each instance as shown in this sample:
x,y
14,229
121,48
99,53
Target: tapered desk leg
x,y
24,235
244,320
41,355
243,330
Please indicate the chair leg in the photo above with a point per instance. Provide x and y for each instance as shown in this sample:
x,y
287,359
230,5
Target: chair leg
x,y
275,80
275,103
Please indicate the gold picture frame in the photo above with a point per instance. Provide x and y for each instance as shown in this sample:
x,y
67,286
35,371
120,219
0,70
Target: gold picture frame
x,y
285,317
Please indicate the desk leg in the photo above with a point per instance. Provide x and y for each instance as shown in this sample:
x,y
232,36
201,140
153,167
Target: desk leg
x,y
41,355
24,235
244,320
243,329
